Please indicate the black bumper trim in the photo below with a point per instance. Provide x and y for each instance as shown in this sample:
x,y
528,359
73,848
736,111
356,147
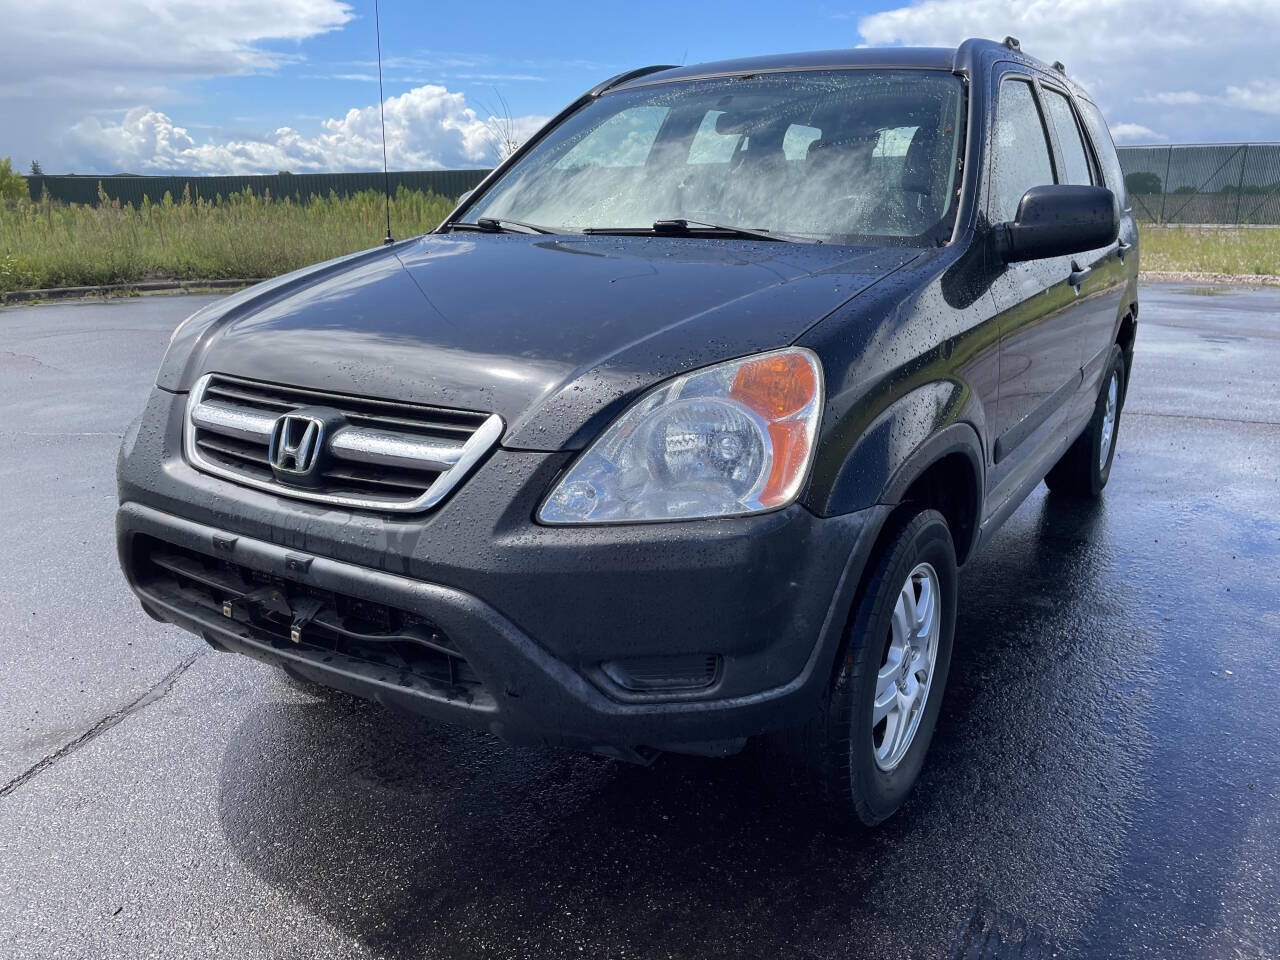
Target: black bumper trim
x,y
535,698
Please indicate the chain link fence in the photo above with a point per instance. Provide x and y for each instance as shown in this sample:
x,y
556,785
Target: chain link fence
x,y
1212,184
1218,184
298,186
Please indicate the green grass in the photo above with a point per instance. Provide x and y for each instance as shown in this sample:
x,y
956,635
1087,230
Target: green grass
x,y
1196,250
48,244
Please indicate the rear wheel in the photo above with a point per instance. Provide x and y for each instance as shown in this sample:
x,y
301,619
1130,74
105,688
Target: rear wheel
x,y
866,745
1086,466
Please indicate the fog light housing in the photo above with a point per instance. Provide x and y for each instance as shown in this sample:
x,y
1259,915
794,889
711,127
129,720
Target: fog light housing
x,y
664,674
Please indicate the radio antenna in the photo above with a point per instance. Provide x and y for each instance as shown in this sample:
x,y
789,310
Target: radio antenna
x,y
382,115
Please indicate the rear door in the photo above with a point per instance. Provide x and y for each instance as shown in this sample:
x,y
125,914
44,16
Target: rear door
x,y
1036,301
1101,272
1126,245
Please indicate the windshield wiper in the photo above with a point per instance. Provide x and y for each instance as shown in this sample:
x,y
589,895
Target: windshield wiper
x,y
501,225
686,227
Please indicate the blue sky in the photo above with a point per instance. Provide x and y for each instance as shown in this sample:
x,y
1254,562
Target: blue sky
x,y
217,86
538,55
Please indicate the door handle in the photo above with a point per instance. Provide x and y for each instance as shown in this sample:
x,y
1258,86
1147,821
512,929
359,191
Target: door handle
x,y
1077,275
1121,249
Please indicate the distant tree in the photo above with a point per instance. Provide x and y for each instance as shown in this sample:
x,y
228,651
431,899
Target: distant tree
x,y
284,173
1142,183
36,169
501,127
13,186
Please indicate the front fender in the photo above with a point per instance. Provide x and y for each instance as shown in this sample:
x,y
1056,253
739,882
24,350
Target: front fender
x,y
915,431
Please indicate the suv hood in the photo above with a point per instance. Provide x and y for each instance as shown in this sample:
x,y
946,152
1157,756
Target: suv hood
x,y
553,333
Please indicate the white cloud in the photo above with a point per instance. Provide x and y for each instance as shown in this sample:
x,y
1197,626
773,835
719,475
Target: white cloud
x,y
104,85
1175,98
1134,133
428,127
70,45
1167,65
64,60
1259,96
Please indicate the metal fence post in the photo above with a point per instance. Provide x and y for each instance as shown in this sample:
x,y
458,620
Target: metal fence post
x,y
1244,158
1164,184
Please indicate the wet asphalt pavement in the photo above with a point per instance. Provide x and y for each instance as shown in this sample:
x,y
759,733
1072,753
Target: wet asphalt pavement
x,y
1105,780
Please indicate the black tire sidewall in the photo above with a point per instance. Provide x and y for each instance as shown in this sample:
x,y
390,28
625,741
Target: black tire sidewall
x,y
1100,474
876,794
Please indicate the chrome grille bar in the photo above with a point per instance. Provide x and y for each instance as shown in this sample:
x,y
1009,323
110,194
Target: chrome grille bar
x,y
233,421
388,470
375,447
387,449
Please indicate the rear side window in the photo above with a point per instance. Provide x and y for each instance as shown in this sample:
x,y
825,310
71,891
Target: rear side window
x,y
1105,149
1021,158
1074,157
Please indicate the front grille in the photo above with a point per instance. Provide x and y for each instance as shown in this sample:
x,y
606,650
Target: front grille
x,y
330,627
383,455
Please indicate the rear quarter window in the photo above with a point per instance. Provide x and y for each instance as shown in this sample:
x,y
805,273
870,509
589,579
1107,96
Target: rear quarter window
x,y
1105,149
1074,157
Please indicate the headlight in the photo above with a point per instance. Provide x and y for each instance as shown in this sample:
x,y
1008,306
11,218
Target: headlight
x,y
732,439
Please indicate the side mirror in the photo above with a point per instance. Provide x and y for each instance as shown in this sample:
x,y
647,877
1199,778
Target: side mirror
x,y
1057,220
465,196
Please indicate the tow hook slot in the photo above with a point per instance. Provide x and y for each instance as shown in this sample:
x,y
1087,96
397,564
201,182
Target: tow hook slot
x,y
262,600
304,611
271,600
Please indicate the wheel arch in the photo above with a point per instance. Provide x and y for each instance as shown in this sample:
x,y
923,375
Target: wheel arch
x,y
925,448
1126,334
943,473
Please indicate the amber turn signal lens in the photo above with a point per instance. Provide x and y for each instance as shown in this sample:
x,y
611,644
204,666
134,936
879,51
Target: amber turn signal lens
x,y
790,454
780,387
775,386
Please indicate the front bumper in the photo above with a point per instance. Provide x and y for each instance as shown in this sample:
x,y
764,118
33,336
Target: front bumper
x,y
534,611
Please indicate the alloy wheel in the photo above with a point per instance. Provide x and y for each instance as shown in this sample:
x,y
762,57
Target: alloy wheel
x,y
1108,421
906,673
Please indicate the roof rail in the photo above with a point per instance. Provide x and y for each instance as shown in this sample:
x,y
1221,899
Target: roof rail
x,y
1012,43
621,78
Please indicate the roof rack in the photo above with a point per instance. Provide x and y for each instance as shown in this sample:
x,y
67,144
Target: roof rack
x,y
1012,43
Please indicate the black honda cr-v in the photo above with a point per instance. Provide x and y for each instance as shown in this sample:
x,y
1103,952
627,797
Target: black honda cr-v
x,y
676,431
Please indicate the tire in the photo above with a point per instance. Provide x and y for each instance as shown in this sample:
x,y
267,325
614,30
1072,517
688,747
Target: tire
x,y
1085,467
843,751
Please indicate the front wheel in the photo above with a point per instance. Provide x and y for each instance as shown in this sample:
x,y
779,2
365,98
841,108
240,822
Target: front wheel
x,y
868,741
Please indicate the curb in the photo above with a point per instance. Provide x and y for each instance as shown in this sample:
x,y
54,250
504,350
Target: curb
x,y
126,289
1184,276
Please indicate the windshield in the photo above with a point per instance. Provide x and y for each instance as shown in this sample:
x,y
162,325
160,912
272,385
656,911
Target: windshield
x,y
830,155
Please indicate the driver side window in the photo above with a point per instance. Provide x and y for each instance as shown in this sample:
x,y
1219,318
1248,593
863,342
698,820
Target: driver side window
x,y
1021,150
